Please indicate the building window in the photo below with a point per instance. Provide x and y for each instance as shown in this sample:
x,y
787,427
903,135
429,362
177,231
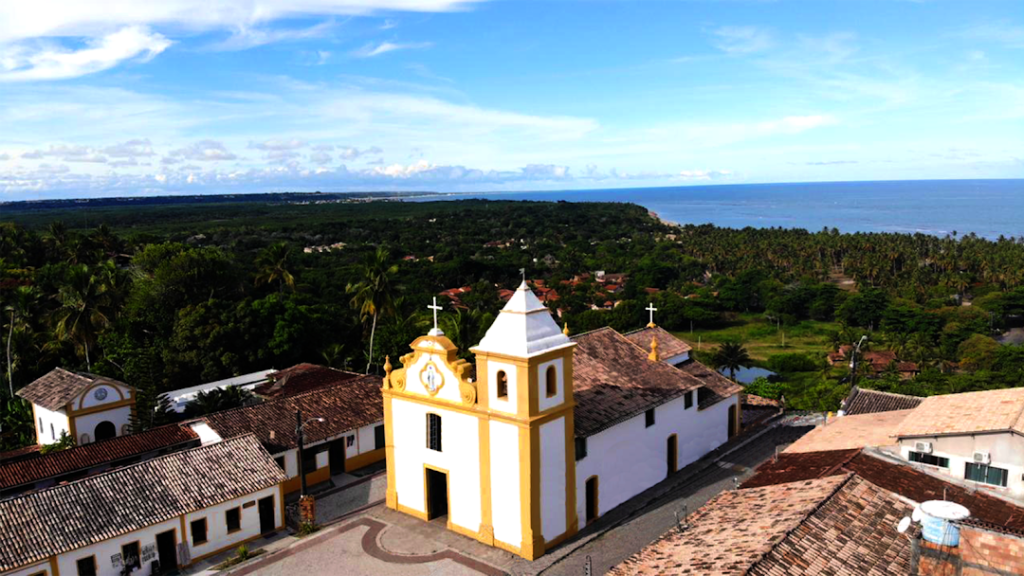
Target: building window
x,y
199,532
434,432
42,429
987,474
552,381
130,556
309,459
502,385
53,433
581,448
86,566
234,518
688,400
929,459
649,418
378,437
350,440
280,462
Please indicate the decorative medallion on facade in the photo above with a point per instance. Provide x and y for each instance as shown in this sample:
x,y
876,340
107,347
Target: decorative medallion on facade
x,y
431,378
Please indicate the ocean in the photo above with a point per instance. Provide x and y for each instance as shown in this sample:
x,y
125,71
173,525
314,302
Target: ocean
x,y
988,208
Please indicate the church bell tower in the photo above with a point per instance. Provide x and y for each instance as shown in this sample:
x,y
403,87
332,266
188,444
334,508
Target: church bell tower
x,y
524,375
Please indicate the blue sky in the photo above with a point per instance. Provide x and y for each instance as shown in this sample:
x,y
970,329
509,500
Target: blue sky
x,y
201,96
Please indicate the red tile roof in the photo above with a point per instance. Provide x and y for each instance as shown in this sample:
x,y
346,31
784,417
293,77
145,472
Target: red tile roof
x,y
55,389
303,378
72,460
795,467
668,345
23,453
346,406
863,401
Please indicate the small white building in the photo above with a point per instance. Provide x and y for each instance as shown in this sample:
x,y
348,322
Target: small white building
x,y
155,516
86,406
181,397
974,436
545,432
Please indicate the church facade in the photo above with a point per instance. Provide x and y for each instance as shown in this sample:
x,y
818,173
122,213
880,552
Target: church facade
x,y
519,449
88,407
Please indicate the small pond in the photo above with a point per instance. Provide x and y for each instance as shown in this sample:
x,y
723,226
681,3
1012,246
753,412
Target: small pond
x,y
748,375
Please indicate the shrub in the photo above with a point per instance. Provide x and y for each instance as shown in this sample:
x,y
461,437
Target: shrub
x,y
793,362
764,388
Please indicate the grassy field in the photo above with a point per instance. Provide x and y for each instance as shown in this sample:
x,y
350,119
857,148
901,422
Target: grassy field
x,y
761,338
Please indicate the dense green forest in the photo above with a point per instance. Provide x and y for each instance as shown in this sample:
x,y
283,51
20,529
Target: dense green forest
x,y
171,296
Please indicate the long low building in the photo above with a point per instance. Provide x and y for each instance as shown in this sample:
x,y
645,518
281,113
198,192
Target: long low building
x,y
153,516
351,435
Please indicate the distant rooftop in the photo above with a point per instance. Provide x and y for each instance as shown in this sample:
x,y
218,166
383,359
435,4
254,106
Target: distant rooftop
x,y
852,432
967,413
866,401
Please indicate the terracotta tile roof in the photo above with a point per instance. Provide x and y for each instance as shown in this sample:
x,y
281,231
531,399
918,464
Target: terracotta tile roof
x,y
19,454
58,387
715,386
852,432
349,405
799,466
303,378
754,400
668,345
734,530
987,411
50,522
852,534
90,455
892,475
862,401
614,380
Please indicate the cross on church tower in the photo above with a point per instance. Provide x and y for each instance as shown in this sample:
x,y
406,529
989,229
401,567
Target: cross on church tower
x,y
650,308
435,331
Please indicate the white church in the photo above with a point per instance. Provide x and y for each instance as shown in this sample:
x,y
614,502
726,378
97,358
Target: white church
x,y
546,432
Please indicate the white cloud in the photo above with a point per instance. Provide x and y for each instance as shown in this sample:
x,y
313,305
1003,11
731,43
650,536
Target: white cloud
x,y
320,158
204,150
277,144
245,37
90,18
998,32
130,149
742,39
4,156
371,50
26,61
351,153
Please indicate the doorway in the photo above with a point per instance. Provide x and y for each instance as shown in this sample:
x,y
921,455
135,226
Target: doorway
x,y
732,421
591,489
167,551
672,455
266,506
437,494
105,431
337,456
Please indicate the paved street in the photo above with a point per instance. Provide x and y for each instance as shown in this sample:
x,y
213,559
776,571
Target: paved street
x,y
381,541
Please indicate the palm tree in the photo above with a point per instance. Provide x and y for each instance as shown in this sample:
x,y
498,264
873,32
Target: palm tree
x,y
217,400
20,308
373,295
84,310
466,327
733,356
272,264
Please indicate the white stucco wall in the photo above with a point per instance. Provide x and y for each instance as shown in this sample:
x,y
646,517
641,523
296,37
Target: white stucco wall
x,y
53,423
677,359
552,478
505,509
120,417
217,527
630,446
543,402
89,400
1005,449
507,404
41,568
67,562
364,442
460,456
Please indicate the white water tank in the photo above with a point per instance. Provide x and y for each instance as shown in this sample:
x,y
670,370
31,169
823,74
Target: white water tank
x,y
939,520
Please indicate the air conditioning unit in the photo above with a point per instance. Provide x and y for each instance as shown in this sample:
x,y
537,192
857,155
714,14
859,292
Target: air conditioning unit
x,y
982,458
925,447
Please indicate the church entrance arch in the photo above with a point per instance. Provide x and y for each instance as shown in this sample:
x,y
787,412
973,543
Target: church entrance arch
x,y
437,493
105,430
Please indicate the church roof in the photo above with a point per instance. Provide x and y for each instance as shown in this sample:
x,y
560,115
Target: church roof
x,y
615,380
345,406
668,345
55,389
61,519
523,328
83,457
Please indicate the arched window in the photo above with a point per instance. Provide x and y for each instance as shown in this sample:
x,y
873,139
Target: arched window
x,y
552,381
434,432
502,385
105,430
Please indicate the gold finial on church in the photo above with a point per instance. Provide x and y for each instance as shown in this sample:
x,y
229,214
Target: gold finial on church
x,y
565,329
653,356
387,365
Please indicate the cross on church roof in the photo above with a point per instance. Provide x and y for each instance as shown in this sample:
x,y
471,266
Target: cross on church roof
x,y
435,331
650,308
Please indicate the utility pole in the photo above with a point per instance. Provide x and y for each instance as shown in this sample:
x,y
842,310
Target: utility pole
x,y
298,433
